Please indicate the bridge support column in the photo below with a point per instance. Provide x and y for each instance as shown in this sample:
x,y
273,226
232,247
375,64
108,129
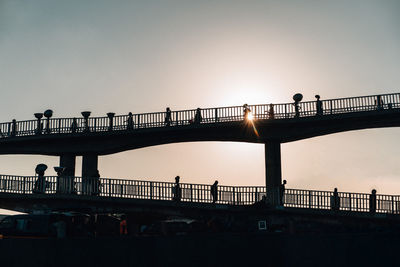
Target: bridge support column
x,y
90,179
66,183
68,162
273,171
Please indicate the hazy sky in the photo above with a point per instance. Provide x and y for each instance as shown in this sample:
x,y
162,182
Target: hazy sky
x,y
143,56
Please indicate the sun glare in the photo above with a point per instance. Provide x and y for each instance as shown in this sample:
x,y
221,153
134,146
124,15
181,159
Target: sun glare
x,y
250,117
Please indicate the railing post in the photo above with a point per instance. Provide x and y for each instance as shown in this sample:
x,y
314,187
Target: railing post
x,y
286,115
110,116
309,199
392,205
330,103
86,115
256,196
109,187
24,182
350,198
151,190
216,114
234,195
191,193
39,129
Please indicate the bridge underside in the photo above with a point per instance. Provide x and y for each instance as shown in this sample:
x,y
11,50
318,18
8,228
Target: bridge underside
x,y
32,203
235,218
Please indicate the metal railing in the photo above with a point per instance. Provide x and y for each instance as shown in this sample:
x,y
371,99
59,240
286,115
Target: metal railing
x,y
231,195
198,116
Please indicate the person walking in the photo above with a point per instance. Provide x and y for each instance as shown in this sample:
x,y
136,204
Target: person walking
x,y
271,112
123,226
246,112
318,105
379,102
335,200
176,190
129,121
197,117
282,192
74,125
14,128
372,202
214,192
168,118
96,183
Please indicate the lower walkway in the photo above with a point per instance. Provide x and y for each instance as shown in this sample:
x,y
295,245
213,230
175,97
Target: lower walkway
x,y
78,187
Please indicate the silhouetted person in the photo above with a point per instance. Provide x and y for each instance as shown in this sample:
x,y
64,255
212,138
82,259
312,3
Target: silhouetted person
x,y
214,192
296,109
168,118
74,125
40,183
335,200
123,226
271,112
372,201
61,181
282,192
177,192
129,121
14,128
246,112
96,183
318,104
379,102
197,117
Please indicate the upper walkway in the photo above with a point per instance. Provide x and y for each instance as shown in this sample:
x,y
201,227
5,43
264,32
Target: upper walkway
x,y
55,126
76,187
282,122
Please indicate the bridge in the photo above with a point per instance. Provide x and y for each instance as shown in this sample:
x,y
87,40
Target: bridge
x,y
267,124
18,193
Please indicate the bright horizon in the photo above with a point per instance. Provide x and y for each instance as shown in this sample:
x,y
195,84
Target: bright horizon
x,y
145,56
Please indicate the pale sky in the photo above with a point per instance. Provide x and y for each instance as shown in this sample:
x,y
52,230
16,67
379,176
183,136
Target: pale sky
x,y
142,56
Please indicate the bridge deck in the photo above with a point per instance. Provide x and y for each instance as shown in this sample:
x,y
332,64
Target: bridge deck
x,y
56,126
77,188
278,123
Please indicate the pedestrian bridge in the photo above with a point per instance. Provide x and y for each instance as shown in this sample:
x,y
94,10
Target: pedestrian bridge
x,y
280,122
268,124
98,190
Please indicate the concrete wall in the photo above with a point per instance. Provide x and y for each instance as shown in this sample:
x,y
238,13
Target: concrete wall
x,y
269,249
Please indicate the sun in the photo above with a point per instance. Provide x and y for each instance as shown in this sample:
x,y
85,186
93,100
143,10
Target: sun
x,y
250,116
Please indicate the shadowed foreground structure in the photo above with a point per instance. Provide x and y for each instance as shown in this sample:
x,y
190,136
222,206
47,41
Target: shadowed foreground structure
x,y
208,250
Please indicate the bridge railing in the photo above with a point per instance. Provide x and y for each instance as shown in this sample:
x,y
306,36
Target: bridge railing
x,y
231,195
361,202
208,116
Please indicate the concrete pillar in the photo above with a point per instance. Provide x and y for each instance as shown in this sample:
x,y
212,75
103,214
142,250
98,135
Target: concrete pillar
x,y
89,165
66,183
68,162
273,171
89,171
